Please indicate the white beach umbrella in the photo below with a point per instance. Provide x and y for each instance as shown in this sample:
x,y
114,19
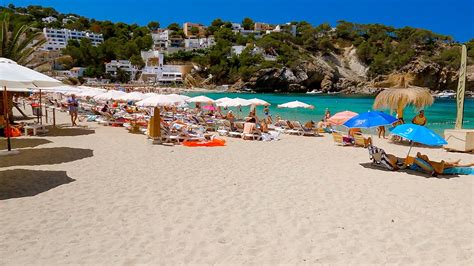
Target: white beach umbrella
x,y
179,97
200,99
256,102
150,94
236,102
223,99
110,95
92,88
13,75
65,89
296,104
89,93
159,100
132,96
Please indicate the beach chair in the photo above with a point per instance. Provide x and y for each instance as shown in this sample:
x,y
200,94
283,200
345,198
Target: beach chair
x,y
224,127
281,126
303,130
360,141
250,131
239,129
339,139
380,158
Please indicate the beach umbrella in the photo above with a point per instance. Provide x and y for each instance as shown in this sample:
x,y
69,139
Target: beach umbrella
x,y
370,119
296,104
150,94
259,102
89,93
223,99
110,95
396,99
159,100
236,102
179,97
200,99
341,117
13,75
420,134
209,107
132,96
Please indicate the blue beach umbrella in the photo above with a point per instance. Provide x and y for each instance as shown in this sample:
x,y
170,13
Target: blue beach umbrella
x,y
370,119
420,134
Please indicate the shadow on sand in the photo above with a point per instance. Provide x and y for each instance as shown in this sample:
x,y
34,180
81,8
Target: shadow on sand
x,y
44,156
65,131
20,183
407,171
20,143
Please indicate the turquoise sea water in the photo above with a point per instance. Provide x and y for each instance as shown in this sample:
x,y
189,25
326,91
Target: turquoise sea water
x,y
441,115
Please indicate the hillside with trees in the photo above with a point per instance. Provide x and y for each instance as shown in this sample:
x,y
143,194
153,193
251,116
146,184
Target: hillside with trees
x,y
348,57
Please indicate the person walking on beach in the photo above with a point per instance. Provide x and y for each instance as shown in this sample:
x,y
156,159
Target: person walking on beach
x,y
419,119
73,105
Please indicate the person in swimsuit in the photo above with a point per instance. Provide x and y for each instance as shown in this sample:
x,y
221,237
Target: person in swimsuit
x,y
73,105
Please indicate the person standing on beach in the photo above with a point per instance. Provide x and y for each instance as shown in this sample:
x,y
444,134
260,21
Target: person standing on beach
x,y
419,119
327,115
381,130
73,105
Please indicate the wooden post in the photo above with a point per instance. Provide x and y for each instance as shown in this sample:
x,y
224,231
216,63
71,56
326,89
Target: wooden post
x,y
7,117
54,116
46,113
40,115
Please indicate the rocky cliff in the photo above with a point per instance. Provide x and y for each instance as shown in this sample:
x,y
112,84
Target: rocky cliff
x,y
344,72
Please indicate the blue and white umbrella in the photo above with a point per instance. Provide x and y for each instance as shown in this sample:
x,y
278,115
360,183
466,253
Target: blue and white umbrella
x,y
370,119
420,134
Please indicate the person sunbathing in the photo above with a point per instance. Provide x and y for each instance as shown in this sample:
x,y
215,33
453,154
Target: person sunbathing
x,y
439,167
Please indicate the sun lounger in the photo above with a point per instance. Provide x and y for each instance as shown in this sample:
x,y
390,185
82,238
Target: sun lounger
x,y
239,129
250,131
301,130
339,139
224,127
360,141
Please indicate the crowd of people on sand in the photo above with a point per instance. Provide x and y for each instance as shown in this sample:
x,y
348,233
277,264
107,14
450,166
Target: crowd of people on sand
x,y
181,123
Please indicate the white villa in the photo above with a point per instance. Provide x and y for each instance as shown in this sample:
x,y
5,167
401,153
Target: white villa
x,y
49,19
57,39
113,66
156,72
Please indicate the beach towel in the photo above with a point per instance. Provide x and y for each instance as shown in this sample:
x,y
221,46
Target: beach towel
x,y
449,171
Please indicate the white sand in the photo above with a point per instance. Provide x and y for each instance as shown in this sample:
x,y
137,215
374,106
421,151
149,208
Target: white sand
x,y
299,200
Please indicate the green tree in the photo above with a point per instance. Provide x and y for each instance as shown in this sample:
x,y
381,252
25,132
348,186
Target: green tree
x,y
248,24
153,25
174,27
194,31
122,76
20,43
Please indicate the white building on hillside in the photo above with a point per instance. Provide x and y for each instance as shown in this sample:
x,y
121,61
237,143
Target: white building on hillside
x,y
155,71
57,39
49,19
124,65
161,39
199,43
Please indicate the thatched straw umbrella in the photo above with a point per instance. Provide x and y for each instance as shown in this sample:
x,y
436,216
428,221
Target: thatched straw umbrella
x,y
399,97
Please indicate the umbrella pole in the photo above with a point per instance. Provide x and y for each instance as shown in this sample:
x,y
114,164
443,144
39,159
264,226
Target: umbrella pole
x,y
409,150
7,117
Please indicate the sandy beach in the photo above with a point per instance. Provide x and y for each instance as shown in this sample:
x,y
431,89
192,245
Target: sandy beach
x,y
99,195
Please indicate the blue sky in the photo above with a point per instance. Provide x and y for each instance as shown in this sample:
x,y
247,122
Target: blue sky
x,y
455,18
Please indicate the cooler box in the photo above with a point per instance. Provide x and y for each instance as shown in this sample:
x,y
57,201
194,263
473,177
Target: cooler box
x,y
459,140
